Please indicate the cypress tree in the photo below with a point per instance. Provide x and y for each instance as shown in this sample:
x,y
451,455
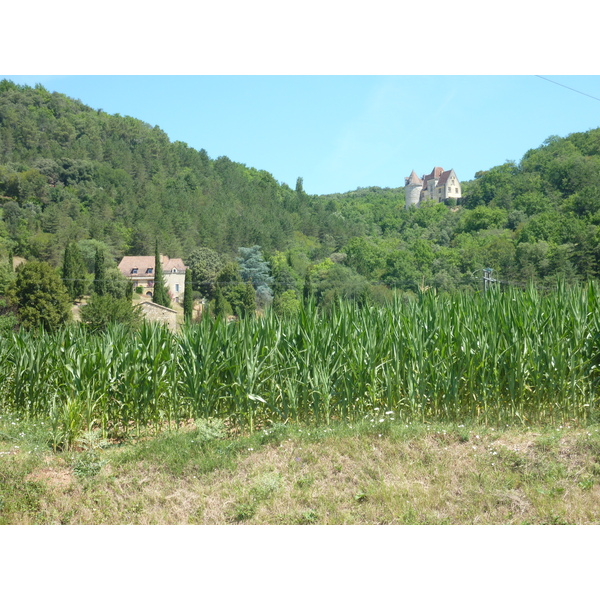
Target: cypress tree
x,y
67,271
73,271
249,301
308,289
188,300
160,294
220,304
79,270
99,273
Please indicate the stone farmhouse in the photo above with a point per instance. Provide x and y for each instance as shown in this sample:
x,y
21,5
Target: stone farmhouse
x,y
439,185
159,314
140,270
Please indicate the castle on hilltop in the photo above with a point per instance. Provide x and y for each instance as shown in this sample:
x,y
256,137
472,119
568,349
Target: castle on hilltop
x,y
439,185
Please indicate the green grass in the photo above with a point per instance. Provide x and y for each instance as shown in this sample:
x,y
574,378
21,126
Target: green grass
x,y
429,473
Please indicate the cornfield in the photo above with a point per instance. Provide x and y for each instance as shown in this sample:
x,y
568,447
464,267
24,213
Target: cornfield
x,y
502,356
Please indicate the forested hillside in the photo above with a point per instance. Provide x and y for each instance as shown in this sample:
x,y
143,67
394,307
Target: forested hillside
x,y
536,220
72,173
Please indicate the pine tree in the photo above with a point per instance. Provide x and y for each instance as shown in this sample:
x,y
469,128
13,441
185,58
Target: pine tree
x,y
188,299
160,294
255,269
99,273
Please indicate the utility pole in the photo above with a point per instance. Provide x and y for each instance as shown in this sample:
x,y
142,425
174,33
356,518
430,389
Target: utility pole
x,y
487,279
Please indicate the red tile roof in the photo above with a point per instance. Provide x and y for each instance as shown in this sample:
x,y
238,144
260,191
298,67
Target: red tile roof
x,y
444,178
435,174
143,263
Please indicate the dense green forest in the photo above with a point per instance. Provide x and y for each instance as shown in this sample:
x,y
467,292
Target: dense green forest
x,y
73,174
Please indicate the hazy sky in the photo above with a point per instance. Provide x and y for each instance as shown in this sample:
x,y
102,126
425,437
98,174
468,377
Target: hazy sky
x,y
342,132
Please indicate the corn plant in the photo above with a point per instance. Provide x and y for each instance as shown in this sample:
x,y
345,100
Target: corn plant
x,y
501,356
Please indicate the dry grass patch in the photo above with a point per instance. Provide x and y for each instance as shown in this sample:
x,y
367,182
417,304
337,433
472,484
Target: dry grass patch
x,y
53,476
422,475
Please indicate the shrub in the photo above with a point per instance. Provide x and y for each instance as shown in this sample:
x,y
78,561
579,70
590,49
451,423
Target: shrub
x,y
102,311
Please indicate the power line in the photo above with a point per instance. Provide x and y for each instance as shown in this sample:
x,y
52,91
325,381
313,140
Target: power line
x,y
569,88
462,278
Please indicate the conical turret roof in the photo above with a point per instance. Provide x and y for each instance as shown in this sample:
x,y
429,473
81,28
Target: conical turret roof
x,y
413,179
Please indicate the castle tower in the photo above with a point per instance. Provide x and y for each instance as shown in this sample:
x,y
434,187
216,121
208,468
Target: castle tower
x,y
430,182
412,189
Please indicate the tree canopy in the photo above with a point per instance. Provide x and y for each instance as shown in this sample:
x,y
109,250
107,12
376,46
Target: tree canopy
x,y
40,297
73,177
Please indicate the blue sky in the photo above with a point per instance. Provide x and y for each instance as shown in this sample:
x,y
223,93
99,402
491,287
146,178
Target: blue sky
x,y
343,132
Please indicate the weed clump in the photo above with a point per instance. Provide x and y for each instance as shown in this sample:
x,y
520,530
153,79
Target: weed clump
x,y
208,430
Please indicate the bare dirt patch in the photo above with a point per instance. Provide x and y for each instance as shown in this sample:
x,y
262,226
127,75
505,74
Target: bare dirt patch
x,y
55,476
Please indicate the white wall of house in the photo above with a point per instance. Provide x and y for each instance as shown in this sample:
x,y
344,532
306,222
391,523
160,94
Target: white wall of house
x,y
175,281
452,188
